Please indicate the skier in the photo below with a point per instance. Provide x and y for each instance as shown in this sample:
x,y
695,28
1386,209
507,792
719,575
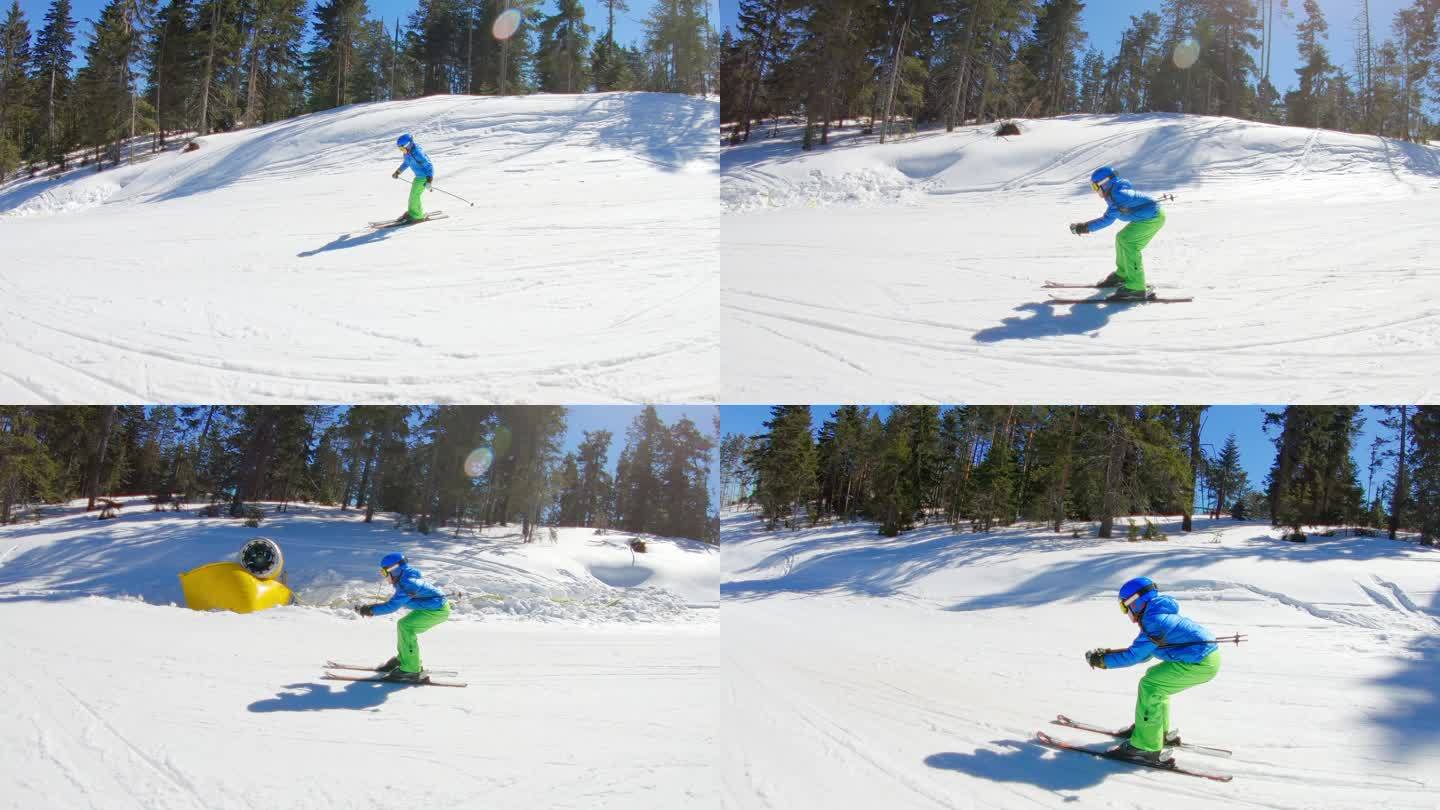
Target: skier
x,y
428,607
1146,219
419,163
1189,657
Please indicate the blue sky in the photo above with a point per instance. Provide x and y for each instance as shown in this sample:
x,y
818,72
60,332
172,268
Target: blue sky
x,y
616,418
1104,20
629,25
1257,451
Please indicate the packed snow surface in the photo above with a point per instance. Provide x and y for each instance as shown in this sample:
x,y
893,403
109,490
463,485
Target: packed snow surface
x,y
587,269
913,672
116,698
912,270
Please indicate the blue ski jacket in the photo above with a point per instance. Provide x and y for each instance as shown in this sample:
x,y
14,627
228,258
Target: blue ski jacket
x,y
1161,623
1125,204
412,591
417,161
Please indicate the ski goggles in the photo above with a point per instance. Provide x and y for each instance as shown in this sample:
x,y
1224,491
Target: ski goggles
x,y
1126,603
389,572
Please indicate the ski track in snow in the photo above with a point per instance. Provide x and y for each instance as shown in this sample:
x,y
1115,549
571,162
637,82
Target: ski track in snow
x,y
587,271
913,672
924,284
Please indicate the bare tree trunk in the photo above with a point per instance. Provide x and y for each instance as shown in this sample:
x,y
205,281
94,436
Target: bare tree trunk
x,y
208,72
1114,466
895,73
1058,517
252,93
97,460
1187,522
1402,482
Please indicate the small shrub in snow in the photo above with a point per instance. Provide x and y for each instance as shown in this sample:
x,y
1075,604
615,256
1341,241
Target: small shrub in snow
x,y
253,516
1154,532
1007,128
1132,532
1294,537
212,510
637,545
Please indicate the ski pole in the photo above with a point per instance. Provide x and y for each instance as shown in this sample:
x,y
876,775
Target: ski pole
x,y
1235,639
443,191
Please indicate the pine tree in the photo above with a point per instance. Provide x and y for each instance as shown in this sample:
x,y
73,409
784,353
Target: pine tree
x,y
560,58
1304,106
51,72
784,463
1425,427
15,89
1051,56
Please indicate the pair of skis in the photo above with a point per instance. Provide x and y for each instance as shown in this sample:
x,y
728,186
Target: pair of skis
x,y
427,677
398,223
1105,299
1169,765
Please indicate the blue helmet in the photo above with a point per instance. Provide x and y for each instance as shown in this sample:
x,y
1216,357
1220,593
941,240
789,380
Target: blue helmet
x,y
1136,594
1102,177
404,140
392,561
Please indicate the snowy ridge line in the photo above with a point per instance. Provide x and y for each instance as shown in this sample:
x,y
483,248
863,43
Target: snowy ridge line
x,y
1160,151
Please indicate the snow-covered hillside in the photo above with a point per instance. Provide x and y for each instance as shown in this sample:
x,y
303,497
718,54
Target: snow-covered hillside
x,y
115,698
587,269
332,558
913,672
912,270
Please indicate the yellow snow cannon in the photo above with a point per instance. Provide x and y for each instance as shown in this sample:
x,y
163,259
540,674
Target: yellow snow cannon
x,y
243,587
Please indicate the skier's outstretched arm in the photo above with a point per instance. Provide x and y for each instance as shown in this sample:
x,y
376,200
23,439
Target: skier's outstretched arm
x,y
399,600
1140,650
1103,222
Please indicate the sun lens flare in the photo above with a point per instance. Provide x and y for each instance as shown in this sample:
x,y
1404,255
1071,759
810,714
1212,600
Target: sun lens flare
x,y
1186,54
506,24
478,462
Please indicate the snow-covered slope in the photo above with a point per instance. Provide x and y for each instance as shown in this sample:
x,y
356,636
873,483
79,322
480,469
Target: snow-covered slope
x,y
912,270
114,698
913,672
332,558
587,269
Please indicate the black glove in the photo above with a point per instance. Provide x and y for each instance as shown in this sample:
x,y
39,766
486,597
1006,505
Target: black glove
x,y
1079,228
1096,658
428,181
366,610
395,174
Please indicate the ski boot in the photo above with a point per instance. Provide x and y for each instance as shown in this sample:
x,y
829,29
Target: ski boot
x,y
1112,280
392,664
402,676
1127,751
1127,294
1172,737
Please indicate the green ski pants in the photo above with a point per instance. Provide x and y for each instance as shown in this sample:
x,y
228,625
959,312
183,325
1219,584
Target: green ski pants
x,y
1128,243
417,209
1152,706
415,623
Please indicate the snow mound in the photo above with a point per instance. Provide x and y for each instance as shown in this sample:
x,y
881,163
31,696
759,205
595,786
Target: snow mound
x,y
1158,151
943,652
331,559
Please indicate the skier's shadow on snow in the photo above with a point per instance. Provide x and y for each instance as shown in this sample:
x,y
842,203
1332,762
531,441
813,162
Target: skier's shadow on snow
x,y
312,697
346,240
1027,762
1044,322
